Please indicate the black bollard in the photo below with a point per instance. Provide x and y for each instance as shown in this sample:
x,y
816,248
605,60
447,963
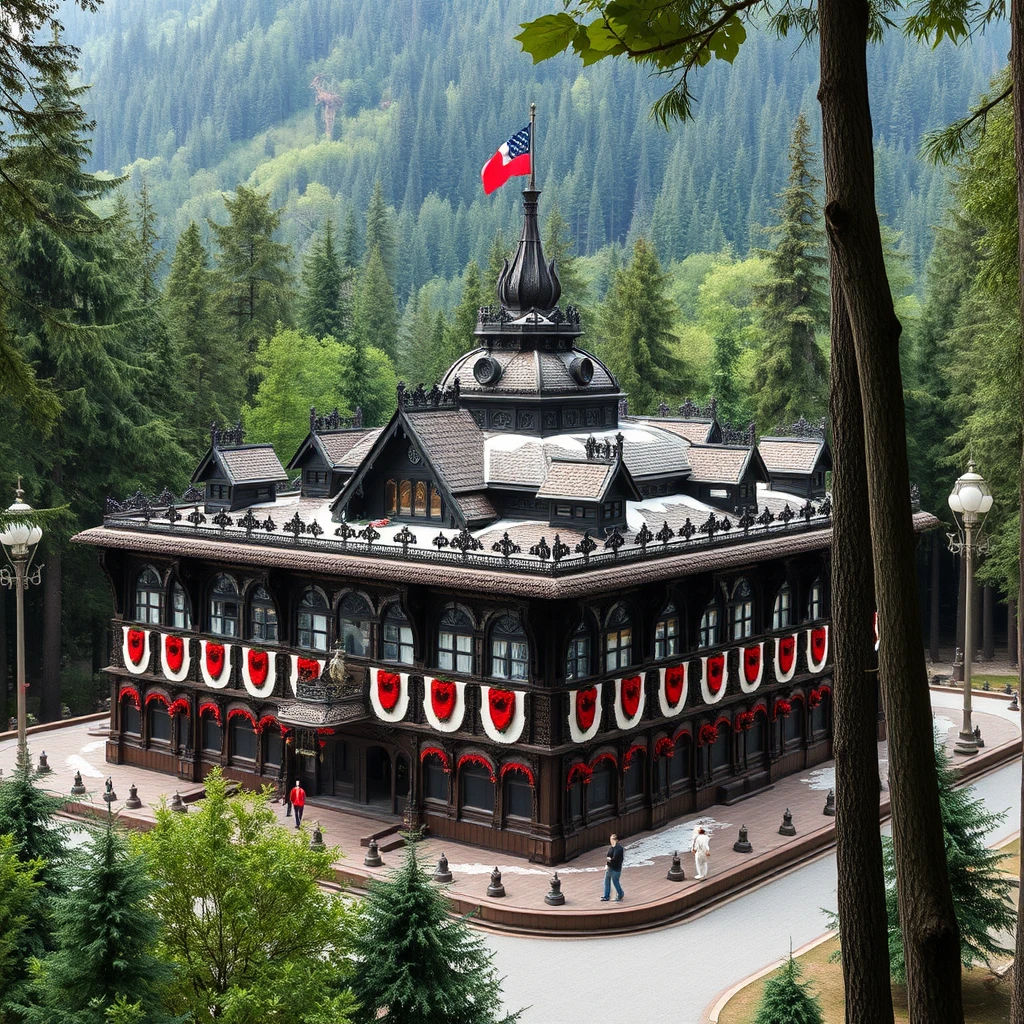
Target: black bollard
x,y
442,874
178,805
78,789
742,845
133,803
316,840
787,828
372,858
676,873
109,796
977,736
44,765
830,804
555,897
496,890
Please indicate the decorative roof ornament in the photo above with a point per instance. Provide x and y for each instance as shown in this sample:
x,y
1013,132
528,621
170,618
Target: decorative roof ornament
x,y
528,282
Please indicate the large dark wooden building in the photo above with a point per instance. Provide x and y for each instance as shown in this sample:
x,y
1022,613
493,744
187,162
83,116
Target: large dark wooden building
x,y
515,614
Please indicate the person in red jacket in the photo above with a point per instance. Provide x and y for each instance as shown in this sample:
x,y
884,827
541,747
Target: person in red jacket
x,y
297,798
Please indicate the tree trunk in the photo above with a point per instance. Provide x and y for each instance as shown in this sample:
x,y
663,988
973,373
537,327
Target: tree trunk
x,y
933,615
930,934
1011,633
863,929
49,684
988,643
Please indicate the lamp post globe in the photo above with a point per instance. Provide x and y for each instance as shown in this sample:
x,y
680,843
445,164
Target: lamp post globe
x,y
971,500
19,540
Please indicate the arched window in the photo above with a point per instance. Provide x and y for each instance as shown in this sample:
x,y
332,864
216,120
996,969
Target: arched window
x,y
618,640
709,626
518,796
634,775
405,497
741,609
354,617
159,722
721,751
312,621
602,793
455,641
816,601
509,649
757,735
793,726
224,607
435,780
397,637
680,769
419,507
391,498
577,655
262,617
476,791
666,633
181,613
242,741
782,614
149,597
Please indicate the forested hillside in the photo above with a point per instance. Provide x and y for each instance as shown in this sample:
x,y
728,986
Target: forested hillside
x,y
199,95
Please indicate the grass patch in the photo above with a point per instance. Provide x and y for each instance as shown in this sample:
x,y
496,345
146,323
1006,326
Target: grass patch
x,y
986,1000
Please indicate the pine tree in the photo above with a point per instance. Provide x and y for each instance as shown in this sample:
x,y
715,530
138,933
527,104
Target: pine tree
x,y
981,891
349,254
415,963
788,1000
151,256
20,897
790,379
380,233
559,246
27,814
496,257
458,335
637,319
106,937
322,309
376,317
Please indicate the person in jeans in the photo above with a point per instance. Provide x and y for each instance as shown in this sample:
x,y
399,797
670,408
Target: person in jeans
x,y
297,798
613,869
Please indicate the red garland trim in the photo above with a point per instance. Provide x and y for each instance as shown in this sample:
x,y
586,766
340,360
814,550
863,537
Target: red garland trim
x,y
782,707
159,697
439,754
178,706
578,771
813,699
515,766
325,731
682,731
130,691
708,735
268,720
743,721
203,708
242,713
664,748
606,756
476,759
629,754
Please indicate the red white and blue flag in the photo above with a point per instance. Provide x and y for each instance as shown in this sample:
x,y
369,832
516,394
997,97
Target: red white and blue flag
x,y
512,158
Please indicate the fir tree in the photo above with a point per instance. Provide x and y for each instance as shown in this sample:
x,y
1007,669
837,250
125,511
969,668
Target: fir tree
x,y
380,233
349,254
376,318
27,815
559,246
321,309
151,256
637,319
20,897
415,963
496,257
788,1000
458,334
981,891
106,938
790,379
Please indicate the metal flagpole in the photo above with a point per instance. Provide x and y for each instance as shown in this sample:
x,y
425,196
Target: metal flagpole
x,y
533,145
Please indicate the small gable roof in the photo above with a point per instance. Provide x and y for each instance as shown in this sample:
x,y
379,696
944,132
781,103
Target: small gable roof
x,y
340,449
585,480
795,454
242,464
722,464
695,431
454,443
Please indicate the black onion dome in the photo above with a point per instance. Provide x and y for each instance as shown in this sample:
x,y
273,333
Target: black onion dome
x,y
528,282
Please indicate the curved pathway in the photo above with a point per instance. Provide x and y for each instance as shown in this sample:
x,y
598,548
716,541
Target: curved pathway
x,y
675,973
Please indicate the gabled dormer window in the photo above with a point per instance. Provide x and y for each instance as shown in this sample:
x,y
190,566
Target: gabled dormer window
x,y
417,498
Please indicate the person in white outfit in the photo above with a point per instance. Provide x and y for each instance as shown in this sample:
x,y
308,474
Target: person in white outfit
x,y
701,852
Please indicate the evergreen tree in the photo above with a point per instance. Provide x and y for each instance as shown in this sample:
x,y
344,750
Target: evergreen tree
x,y
376,317
418,343
496,257
791,377
255,284
321,309
19,899
637,319
380,232
981,891
151,256
788,1000
458,334
415,963
106,939
349,254
559,246
27,815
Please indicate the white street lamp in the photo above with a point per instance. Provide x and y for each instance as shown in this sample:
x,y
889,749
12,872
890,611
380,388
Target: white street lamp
x,y
19,541
971,500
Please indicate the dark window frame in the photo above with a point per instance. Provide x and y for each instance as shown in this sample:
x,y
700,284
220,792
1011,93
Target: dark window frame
x,y
264,624
455,641
151,593
219,604
313,621
511,663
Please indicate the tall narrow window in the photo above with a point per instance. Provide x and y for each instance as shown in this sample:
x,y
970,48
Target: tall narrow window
x,y
782,614
354,617
742,610
815,601
391,497
263,617
419,507
312,621
435,502
455,642
149,597
709,633
666,633
618,640
405,497
224,607
509,649
577,657
181,615
397,637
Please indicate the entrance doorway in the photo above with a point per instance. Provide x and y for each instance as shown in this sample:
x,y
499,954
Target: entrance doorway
x,y
378,777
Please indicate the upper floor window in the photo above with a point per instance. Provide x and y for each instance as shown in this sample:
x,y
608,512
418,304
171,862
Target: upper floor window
x,y
709,626
577,656
742,610
816,601
181,614
263,617
224,607
666,633
312,620
509,649
217,492
149,597
397,637
455,642
418,498
618,640
354,617
782,614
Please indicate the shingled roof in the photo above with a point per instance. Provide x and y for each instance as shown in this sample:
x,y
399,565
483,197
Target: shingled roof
x,y
793,454
718,464
584,480
243,464
342,448
694,431
454,443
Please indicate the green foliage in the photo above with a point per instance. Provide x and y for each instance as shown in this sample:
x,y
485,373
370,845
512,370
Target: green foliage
x,y
327,286
981,892
105,941
19,899
376,316
558,246
788,1000
27,815
380,233
458,334
415,963
253,936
